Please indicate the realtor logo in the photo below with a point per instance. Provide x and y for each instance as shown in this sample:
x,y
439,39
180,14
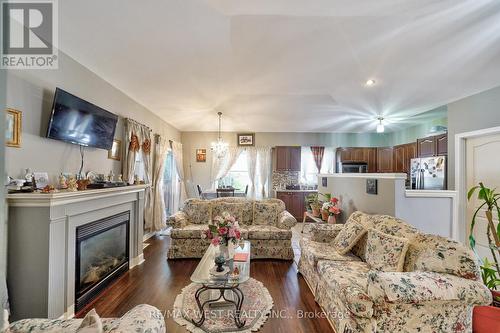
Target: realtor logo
x,y
29,35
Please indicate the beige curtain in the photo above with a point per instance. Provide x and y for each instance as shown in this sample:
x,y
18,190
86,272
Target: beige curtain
x,y
179,165
159,216
146,145
221,166
132,147
252,169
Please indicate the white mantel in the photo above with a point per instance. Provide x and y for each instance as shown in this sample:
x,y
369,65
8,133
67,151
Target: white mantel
x,y
42,244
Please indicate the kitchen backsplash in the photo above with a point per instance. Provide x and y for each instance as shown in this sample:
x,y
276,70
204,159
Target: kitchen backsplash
x,y
283,178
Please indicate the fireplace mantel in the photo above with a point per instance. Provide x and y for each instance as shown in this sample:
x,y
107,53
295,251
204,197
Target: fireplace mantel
x,y
42,231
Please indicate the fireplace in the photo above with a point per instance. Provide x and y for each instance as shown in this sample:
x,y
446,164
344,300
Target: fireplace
x,y
102,255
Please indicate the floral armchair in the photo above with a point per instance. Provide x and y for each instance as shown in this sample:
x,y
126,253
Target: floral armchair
x,y
433,287
265,223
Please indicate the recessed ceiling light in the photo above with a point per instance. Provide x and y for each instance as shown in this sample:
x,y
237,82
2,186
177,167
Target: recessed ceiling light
x,y
370,82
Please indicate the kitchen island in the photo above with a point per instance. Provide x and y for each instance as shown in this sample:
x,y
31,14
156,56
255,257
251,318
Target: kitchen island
x,y
433,212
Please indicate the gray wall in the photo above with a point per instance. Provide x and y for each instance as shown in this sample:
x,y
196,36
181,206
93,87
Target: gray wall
x,y
199,172
3,212
472,113
31,91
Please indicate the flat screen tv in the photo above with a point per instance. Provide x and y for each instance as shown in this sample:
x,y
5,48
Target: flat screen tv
x,y
80,122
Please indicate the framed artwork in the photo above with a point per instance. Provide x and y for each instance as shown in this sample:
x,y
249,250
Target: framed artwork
x,y
372,186
201,155
246,139
115,153
13,128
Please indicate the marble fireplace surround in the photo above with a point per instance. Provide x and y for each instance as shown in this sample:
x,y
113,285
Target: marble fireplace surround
x,y
42,244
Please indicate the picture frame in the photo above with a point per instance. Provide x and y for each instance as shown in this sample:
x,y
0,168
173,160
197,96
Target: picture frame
x,y
13,128
201,155
115,153
372,186
246,139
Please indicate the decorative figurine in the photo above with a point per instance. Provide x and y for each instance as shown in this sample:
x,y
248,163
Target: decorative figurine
x,y
136,180
72,184
120,178
111,176
219,261
63,182
49,189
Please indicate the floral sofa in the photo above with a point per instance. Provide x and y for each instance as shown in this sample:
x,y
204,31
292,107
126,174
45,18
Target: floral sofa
x,y
376,273
265,223
141,319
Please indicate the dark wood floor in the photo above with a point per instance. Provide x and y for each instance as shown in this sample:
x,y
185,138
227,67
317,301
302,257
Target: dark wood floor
x,y
158,281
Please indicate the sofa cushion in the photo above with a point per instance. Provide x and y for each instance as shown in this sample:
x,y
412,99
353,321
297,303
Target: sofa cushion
x,y
198,211
91,323
233,208
432,253
349,282
246,206
268,232
191,231
348,236
265,213
385,252
312,252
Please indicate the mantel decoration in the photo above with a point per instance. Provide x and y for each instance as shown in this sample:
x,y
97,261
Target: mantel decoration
x,y
115,153
219,147
246,139
332,208
224,231
13,128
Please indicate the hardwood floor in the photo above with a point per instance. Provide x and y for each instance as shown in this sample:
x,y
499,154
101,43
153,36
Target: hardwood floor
x,y
158,281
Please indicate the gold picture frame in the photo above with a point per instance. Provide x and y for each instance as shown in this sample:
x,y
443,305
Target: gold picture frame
x,y
246,139
115,153
13,128
201,155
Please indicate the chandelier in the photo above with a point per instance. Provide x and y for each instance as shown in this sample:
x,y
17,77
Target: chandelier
x,y
219,147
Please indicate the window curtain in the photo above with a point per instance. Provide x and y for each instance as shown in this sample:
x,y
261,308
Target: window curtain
x,y
317,153
148,176
221,166
132,144
159,215
264,163
179,166
252,169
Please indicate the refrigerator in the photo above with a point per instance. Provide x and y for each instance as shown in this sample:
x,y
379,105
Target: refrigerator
x,y
428,173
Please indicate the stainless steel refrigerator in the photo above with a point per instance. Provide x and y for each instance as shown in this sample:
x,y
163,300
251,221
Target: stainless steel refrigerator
x,y
428,173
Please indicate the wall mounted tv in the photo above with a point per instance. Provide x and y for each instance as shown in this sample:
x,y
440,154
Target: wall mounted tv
x,y
80,122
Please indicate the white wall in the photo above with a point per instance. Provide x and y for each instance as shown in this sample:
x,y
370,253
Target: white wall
x,y
31,91
472,113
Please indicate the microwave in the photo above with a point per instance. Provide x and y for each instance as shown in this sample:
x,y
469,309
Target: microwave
x,y
353,167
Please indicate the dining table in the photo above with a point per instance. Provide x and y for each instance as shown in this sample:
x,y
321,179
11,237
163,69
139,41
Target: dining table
x,y
212,194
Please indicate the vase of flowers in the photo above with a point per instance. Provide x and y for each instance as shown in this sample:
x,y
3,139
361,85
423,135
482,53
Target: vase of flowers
x,y
224,232
332,208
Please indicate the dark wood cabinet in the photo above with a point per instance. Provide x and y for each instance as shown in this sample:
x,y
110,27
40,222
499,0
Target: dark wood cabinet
x,y
402,155
433,146
288,158
294,202
358,154
384,159
371,159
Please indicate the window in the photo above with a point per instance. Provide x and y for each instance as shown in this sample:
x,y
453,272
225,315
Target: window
x,y
308,169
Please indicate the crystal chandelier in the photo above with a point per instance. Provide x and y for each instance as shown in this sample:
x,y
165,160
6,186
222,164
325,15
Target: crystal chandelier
x,y
219,147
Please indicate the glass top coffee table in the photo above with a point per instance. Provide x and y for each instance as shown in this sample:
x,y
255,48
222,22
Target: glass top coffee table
x,y
224,287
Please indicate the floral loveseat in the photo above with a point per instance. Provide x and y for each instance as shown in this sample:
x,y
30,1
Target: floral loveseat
x,y
141,319
265,223
376,273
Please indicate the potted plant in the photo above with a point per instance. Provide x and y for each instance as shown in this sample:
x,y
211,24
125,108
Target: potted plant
x,y
313,201
223,231
324,209
485,317
332,209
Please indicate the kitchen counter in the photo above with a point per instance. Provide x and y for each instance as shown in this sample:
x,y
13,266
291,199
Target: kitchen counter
x,y
430,194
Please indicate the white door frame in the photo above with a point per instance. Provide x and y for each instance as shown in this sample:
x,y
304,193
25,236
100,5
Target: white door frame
x,y
461,177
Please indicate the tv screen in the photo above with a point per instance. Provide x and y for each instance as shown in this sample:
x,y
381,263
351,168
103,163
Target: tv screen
x,y
80,122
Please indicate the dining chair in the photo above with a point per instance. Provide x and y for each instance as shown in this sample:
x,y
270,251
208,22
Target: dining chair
x,y
224,192
246,190
200,191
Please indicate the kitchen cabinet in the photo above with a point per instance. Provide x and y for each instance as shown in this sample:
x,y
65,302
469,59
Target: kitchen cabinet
x,y
358,154
402,155
288,158
294,202
433,146
385,159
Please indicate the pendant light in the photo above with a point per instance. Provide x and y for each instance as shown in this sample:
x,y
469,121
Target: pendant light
x,y
380,126
219,147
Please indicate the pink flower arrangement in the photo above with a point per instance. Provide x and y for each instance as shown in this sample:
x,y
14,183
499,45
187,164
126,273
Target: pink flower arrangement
x,y
223,230
332,206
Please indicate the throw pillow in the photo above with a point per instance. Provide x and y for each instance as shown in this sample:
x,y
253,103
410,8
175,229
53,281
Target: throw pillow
x,y
91,323
265,213
198,211
233,208
348,236
385,252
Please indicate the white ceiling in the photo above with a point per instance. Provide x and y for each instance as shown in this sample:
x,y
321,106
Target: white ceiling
x,y
287,65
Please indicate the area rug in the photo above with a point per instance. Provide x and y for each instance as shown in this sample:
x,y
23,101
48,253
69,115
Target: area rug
x,y
256,308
